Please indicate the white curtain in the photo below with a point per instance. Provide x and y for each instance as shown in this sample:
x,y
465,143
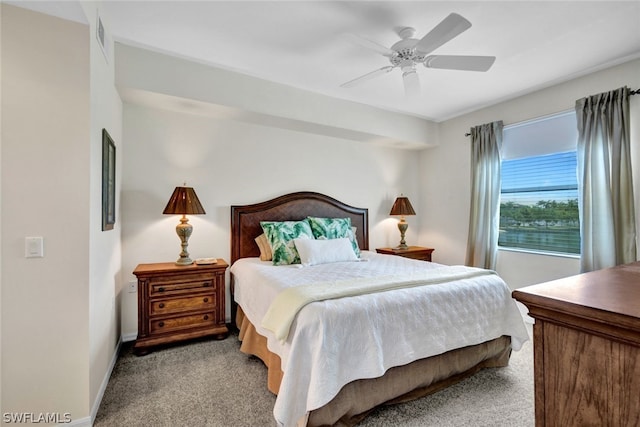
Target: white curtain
x,y
605,186
482,243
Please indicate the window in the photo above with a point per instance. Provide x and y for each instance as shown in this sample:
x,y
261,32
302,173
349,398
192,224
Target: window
x,y
539,196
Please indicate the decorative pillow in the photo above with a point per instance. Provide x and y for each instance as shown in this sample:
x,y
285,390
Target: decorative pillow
x,y
265,249
280,236
334,228
314,252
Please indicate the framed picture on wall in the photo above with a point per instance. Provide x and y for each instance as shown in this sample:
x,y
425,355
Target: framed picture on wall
x,y
108,181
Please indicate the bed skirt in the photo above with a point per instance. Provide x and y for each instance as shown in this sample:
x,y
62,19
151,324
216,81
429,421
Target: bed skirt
x,y
399,384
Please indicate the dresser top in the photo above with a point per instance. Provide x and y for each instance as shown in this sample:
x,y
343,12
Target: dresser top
x,y
605,302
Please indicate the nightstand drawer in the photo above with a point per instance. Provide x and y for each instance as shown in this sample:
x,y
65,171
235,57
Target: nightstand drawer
x,y
179,302
177,305
421,255
184,322
167,287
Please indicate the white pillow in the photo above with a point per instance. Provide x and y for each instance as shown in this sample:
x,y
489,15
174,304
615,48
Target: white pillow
x,y
314,252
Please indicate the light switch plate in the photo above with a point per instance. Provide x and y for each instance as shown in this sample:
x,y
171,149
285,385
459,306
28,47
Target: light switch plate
x,y
33,247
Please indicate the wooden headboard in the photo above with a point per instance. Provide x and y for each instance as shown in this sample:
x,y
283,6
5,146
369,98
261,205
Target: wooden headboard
x,y
245,220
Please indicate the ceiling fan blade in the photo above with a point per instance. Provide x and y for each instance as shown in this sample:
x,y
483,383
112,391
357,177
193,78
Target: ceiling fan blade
x,y
459,62
368,76
369,44
411,83
447,29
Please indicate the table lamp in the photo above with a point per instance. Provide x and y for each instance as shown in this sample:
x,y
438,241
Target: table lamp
x,y
402,206
184,202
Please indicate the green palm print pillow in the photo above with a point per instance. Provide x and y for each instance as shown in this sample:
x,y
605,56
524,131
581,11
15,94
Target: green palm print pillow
x,y
334,228
280,236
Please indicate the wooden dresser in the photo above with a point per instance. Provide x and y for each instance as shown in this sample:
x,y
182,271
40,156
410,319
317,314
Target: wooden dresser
x,y
415,252
176,303
587,348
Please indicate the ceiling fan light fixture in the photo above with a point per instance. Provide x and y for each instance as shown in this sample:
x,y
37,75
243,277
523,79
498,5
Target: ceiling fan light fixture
x,y
411,81
408,70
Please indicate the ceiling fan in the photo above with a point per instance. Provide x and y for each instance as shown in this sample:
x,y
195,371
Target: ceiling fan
x,y
409,52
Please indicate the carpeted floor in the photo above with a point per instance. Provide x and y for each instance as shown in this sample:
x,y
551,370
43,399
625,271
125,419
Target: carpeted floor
x,y
210,383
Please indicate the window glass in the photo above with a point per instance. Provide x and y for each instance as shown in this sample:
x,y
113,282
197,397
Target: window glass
x,y
539,196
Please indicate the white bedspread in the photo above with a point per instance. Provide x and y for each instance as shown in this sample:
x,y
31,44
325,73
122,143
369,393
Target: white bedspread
x,y
334,342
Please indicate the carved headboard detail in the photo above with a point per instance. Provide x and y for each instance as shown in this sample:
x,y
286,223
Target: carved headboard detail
x,y
245,220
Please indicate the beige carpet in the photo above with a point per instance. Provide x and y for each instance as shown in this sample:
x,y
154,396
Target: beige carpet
x,y
210,383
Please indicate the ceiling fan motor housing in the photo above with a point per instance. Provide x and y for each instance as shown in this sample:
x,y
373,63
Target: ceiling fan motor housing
x,y
406,54
404,51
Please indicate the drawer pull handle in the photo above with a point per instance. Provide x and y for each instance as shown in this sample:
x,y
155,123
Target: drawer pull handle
x,y
160,289
206,284
161,324
161,305
206,317
206,300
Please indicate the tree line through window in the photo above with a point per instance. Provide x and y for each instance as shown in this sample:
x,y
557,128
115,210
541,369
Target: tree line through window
x,y
539,203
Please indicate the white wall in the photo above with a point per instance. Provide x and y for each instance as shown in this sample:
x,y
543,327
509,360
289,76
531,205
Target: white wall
x,y
445,173
158,79
0,208
105,257
45,192
230,162
60,317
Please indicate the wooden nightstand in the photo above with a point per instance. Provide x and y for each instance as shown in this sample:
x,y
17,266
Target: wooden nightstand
x,y
177,303
414,252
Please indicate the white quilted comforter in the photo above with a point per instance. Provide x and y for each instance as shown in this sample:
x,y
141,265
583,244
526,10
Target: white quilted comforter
x,y
334,342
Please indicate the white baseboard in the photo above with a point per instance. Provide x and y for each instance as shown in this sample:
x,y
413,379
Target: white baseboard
x,y
129,337
103,386
82,422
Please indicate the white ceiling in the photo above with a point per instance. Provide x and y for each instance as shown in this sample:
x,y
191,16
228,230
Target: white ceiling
x,y
304,44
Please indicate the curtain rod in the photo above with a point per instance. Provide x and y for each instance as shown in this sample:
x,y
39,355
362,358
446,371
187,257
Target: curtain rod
x,y
633,92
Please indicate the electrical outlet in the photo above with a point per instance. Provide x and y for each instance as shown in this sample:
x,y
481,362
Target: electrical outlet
x,y
133,287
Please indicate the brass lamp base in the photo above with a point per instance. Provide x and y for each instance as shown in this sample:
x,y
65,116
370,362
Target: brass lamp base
x,y
184,261
184,230
402,226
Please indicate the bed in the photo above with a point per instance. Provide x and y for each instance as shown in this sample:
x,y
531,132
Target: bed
x,y
335,360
